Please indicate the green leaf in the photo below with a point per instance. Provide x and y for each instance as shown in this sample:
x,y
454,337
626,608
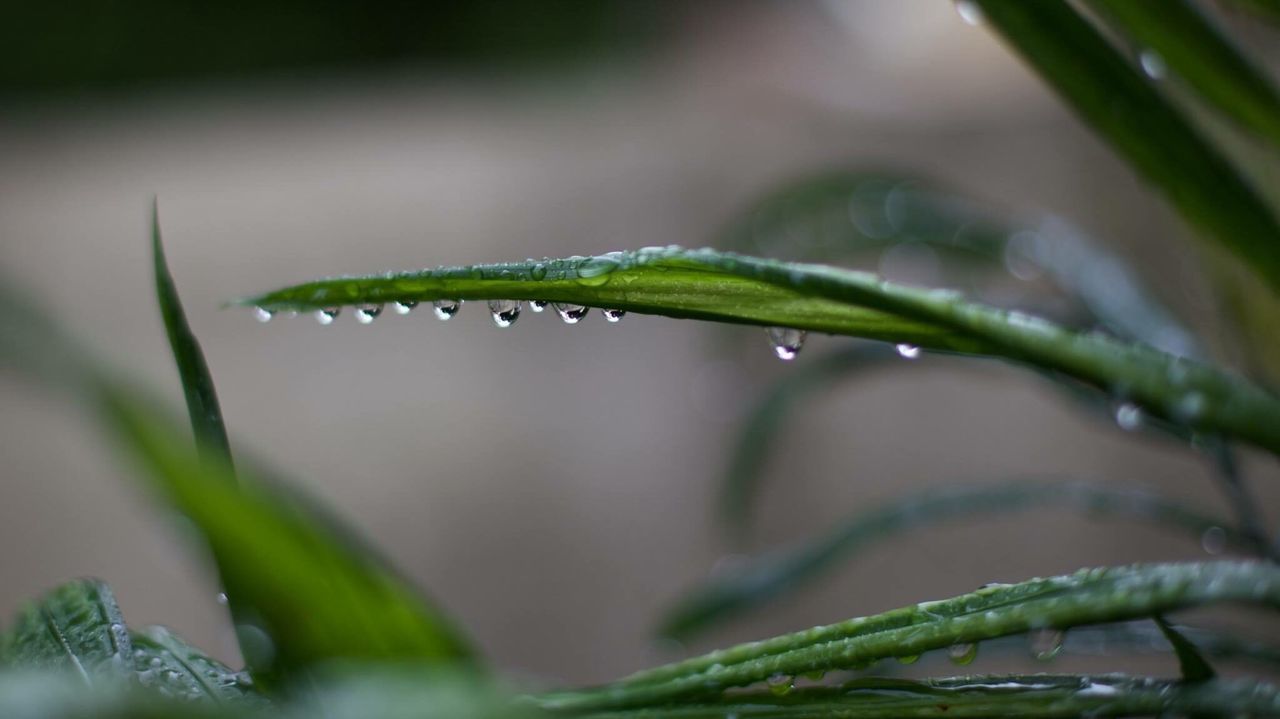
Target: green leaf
x,y
1142,126
197,383
1195,668
304,595
766,577
76,628
1039,695
1084,598
1184,40
726,287
168,665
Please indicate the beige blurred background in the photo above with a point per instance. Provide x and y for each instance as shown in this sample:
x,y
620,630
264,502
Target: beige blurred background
x,y
553,486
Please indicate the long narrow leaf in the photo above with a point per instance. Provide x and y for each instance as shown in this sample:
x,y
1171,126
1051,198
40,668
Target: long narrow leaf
x,y
764,578
166,664
1185,41
710,285
1144,127
1087,597
76,628
1195,668
197,383
985,696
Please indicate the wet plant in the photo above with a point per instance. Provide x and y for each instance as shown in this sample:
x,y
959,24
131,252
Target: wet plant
x,y
327,627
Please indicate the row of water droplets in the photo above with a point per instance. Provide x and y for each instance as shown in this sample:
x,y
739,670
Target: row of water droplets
x,y
504,312
788,341
1044,645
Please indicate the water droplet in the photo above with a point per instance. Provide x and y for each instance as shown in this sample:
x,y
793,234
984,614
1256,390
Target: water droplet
x,y
327,315
256,645
963,653
445,309
571,314
614,316
969,12
1128,416
1045,643
815,676
404,307
1152,64
781,684
222,598
908,658
1214,540
1190,407
366,314
786,341
505,312
537,305
907,351
262,314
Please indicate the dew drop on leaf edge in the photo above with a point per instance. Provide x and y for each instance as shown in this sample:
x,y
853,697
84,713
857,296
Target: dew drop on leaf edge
x,y
969,11
781,684
907,351
613,316
786,341
571,314
445,309
962,653
504,312
263,314
1213,540
537,305
1128,416
404,307
1045,644
327,315
367,313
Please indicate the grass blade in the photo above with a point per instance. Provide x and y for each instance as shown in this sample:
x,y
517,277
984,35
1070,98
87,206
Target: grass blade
x,y
197,383
76,628
985,696
767,577
167,664
1188,43
1142,126
1084,598
725,287
1194,666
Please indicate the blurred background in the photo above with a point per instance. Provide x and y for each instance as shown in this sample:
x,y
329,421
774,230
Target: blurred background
x,y
553,486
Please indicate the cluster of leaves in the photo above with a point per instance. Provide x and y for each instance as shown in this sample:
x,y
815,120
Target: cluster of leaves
x,y
327,627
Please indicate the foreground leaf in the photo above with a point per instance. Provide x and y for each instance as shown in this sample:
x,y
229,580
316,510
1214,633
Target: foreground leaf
x,y
169,666
725,287
1038,695
1142,126
764,578
306,596
1084,598
76,628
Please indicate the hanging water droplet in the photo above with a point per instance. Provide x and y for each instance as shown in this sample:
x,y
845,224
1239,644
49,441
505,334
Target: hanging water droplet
x,y
222,598
571,314
786,341
1214,540
1128,416
327,315
445,309
907,351
366,314
781,684
262,314
614,316
537,305
815,676
969,12
963,653
404,307
1045,643
908,658
1152,64
505,312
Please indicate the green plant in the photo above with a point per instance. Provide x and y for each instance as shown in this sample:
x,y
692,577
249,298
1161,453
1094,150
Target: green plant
x,y
327,627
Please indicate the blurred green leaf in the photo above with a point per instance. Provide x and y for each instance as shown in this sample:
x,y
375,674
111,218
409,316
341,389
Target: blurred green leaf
x,y
763,578
197,383
1038,695
169,666
76,628
1084,598
1193,665
1174,33
726,287
1142,126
